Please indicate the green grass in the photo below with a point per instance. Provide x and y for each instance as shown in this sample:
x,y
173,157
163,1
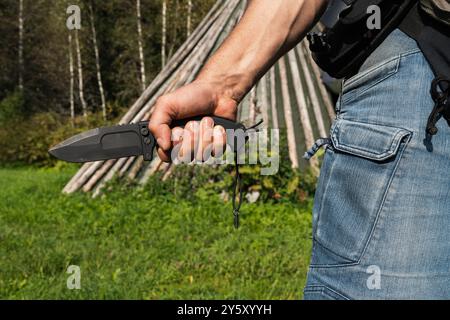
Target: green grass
x,y
130,245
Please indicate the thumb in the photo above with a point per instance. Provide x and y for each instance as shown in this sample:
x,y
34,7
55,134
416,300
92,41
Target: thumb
x,y
159,126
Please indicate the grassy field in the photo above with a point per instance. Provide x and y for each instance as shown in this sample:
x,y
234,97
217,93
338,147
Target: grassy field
x,y
130,245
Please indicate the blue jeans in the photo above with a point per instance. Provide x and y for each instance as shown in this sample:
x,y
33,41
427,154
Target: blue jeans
x,y
381,217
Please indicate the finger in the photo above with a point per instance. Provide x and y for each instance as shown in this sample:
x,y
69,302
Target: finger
x,y
177,139
205,139
219,141
188,144
177,135
163,155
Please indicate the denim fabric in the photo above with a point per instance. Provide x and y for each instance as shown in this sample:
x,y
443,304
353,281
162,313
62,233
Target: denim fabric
x,y
381,217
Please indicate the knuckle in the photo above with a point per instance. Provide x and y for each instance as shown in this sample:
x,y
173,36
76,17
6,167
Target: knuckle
x,y
153,127
161,101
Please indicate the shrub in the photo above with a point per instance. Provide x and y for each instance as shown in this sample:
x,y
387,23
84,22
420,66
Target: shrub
x,y
27,140
11,107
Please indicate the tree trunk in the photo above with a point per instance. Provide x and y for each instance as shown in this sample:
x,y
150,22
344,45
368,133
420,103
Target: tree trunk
x,y
72,80
189,18
21,45
174,34
141,46
97,61
164,33
80,75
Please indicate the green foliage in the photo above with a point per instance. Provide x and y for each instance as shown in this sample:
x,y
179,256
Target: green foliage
x,y
27,140
11,107
145,243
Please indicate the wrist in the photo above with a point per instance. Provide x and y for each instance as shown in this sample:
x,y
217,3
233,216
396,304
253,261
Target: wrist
x,y
227,86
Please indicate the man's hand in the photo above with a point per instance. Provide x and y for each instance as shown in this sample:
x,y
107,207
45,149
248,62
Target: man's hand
x,y
267,30
197,98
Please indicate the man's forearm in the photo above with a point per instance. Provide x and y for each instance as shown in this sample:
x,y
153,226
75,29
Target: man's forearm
x,y
268,29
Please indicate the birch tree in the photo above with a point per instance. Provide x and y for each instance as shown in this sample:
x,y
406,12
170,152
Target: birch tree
x,y
80,75
164,33
189,18
97,60
141,45
72,79
21,45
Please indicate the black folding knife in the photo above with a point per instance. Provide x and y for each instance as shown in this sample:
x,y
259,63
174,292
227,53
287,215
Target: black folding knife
x,y
129,140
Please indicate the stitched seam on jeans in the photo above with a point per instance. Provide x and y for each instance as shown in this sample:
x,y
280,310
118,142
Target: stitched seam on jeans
x,y
369,240
323,199
376,67
392,150
322,289
350,262
367,153
333,126
367,72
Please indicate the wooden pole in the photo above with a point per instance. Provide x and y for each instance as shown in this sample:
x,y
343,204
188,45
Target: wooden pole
x,y
292,144
301,102
323,91
273,99
312,90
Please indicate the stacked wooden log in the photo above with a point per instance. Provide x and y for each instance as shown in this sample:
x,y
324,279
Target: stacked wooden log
x,y
289,97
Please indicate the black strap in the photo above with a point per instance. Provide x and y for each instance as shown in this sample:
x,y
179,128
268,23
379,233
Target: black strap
x,y
434,41
237,192
442,104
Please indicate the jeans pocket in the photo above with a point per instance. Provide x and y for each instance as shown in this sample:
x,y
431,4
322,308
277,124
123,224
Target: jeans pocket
x,y
369,78
356,177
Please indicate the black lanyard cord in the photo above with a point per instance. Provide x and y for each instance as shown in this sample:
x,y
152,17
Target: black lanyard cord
x,y
440,88
237,192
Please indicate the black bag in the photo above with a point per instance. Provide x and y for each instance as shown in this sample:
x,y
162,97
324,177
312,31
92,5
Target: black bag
x,y
342,49
433,39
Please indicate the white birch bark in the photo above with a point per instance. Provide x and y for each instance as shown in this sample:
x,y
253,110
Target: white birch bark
x,y
72,79
189,18
164,33
97,61
21,68
80,75
141,45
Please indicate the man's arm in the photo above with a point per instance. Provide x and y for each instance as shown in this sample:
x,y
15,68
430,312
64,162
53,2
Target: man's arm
x,y
267,30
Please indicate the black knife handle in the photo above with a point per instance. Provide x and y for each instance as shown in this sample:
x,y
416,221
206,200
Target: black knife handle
x,y
218,121
236,136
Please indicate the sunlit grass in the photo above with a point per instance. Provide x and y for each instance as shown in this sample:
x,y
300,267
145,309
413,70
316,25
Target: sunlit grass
x,y
131,245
